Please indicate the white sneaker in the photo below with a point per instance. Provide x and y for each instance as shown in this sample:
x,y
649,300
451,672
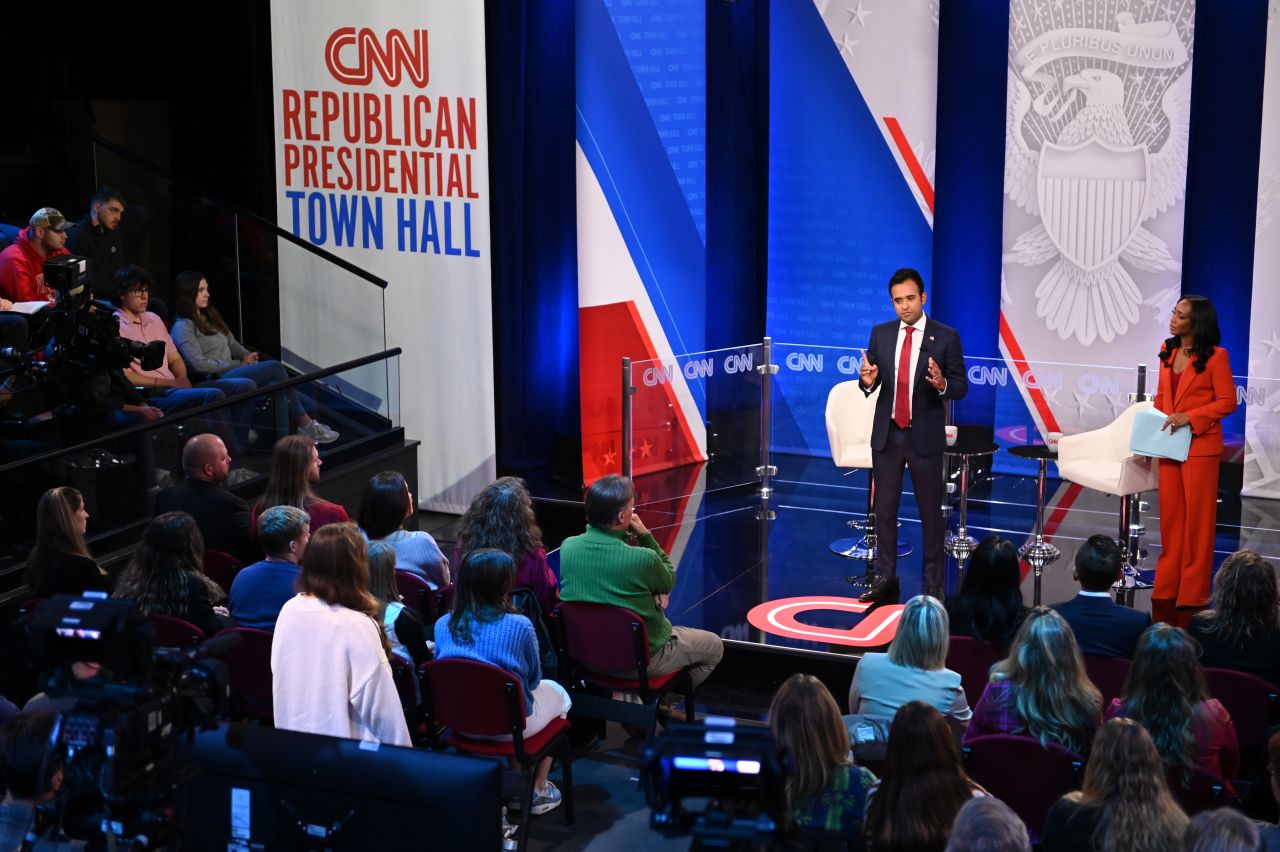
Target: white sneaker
x,y
318,432
548,800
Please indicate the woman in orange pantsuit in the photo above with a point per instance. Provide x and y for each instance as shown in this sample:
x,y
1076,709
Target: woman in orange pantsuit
x,y
1196,392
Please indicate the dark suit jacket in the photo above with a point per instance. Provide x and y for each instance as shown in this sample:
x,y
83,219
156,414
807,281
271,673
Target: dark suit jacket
x,y
223,517
1102,626
928,415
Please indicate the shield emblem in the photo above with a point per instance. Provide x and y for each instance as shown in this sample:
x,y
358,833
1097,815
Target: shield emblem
x,y
1092,197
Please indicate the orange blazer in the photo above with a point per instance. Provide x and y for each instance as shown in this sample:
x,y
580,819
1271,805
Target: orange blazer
x,y
1206,397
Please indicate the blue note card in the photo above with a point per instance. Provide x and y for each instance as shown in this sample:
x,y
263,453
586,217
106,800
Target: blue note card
x,y
1148,439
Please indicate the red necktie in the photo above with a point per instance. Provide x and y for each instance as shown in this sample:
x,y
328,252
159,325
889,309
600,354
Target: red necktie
x,y
902,394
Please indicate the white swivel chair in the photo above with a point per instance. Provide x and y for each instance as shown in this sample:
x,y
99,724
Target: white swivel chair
x,y
1101,460
850,415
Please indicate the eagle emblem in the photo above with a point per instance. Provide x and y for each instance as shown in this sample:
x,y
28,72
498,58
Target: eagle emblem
x,y
1095,148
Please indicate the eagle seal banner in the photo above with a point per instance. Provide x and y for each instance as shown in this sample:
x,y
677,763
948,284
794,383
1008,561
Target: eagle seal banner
x,y
1099,96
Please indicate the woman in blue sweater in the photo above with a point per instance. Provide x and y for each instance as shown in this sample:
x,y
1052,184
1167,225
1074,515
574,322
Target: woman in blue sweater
x,y
484,626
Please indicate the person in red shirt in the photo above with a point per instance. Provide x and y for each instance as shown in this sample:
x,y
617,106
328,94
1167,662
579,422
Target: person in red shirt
x,y
22,263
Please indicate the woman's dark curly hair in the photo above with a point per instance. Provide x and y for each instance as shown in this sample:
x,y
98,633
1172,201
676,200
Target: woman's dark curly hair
x,y
1246,599
1205,334
501,517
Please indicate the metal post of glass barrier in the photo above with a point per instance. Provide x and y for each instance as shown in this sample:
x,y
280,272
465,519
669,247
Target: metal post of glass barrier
x,y
767,370
1131,527
628,390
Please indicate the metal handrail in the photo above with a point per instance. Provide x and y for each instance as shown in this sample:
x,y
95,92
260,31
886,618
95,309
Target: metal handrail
x,y
288,236
190,413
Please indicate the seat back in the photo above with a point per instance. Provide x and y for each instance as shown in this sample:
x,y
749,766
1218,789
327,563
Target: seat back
x,y
850,416
972,659
221,568
473,698
1101,459
170,632
249,671
1108,674
444,599
603,638
417,594
1251,701
1025,775
1198,790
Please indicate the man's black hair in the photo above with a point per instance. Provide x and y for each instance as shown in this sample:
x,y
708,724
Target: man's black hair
x,y
130,277
906,273
1098,563
105,194
606,498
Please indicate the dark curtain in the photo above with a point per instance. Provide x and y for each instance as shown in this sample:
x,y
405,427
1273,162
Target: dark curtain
x,y
533,228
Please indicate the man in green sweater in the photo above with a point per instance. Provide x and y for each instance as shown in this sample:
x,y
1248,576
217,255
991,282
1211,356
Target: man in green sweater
x,y
599,566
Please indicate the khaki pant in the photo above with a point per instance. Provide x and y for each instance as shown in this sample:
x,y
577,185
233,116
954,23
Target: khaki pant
x,y
688,646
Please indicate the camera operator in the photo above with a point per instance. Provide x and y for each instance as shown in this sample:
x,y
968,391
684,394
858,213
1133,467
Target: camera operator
x,y
33,775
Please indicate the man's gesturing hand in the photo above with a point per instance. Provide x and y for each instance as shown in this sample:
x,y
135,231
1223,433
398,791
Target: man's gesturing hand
x,y
869,372
935,376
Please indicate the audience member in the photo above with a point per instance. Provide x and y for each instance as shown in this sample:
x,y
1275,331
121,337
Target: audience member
x,y
295,467
168,385
22,261
1041,689
1124,805
924,784
60,562
1271,832
989,605
403,627
599,566
261,589
1242,630
501,516
826,789
206,344
387,503
165,576
986,824
99,236
329,658
914,669
1166,693
223,518
1221,830
33,774
483,626
1100,625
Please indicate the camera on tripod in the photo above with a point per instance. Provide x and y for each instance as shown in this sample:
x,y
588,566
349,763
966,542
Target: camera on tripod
x,y
125,739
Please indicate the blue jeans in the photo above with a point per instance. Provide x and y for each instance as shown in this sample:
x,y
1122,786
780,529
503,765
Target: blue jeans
x,y
263,374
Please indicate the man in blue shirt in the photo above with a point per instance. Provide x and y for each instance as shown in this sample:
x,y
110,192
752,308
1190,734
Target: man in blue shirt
x,y
261,589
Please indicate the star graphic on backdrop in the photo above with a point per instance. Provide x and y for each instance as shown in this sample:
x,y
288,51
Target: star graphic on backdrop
x,y
847,44
646,448
858,13
1154,125
1082,403
610,457
1147,102
1270,346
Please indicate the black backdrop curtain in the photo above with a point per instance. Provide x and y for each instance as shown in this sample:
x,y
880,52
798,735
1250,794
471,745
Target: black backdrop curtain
x,y
530,71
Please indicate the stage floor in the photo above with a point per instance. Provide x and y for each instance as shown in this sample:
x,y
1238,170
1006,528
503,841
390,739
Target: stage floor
x,y
734,551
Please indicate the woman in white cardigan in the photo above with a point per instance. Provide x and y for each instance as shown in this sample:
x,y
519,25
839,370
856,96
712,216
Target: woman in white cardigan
x,y
329,657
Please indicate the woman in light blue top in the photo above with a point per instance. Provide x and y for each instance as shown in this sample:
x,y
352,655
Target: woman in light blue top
x,y
483,626
387,503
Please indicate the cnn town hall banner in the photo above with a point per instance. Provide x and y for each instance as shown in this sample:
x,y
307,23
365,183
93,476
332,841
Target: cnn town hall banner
x,y
1099,97
381,159
1262,419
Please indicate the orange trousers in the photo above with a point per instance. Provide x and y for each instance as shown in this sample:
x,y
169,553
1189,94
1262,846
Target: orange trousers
x,y
1188,517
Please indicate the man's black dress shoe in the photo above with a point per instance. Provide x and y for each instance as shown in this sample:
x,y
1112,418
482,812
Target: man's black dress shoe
x,y
882,590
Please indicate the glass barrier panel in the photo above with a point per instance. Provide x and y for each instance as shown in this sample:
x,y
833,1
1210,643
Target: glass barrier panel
x,y
121,474
1255,442
807,375
698,407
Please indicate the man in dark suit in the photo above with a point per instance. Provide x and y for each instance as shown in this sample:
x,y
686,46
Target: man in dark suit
x,y
917,363
1101,625
223,517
